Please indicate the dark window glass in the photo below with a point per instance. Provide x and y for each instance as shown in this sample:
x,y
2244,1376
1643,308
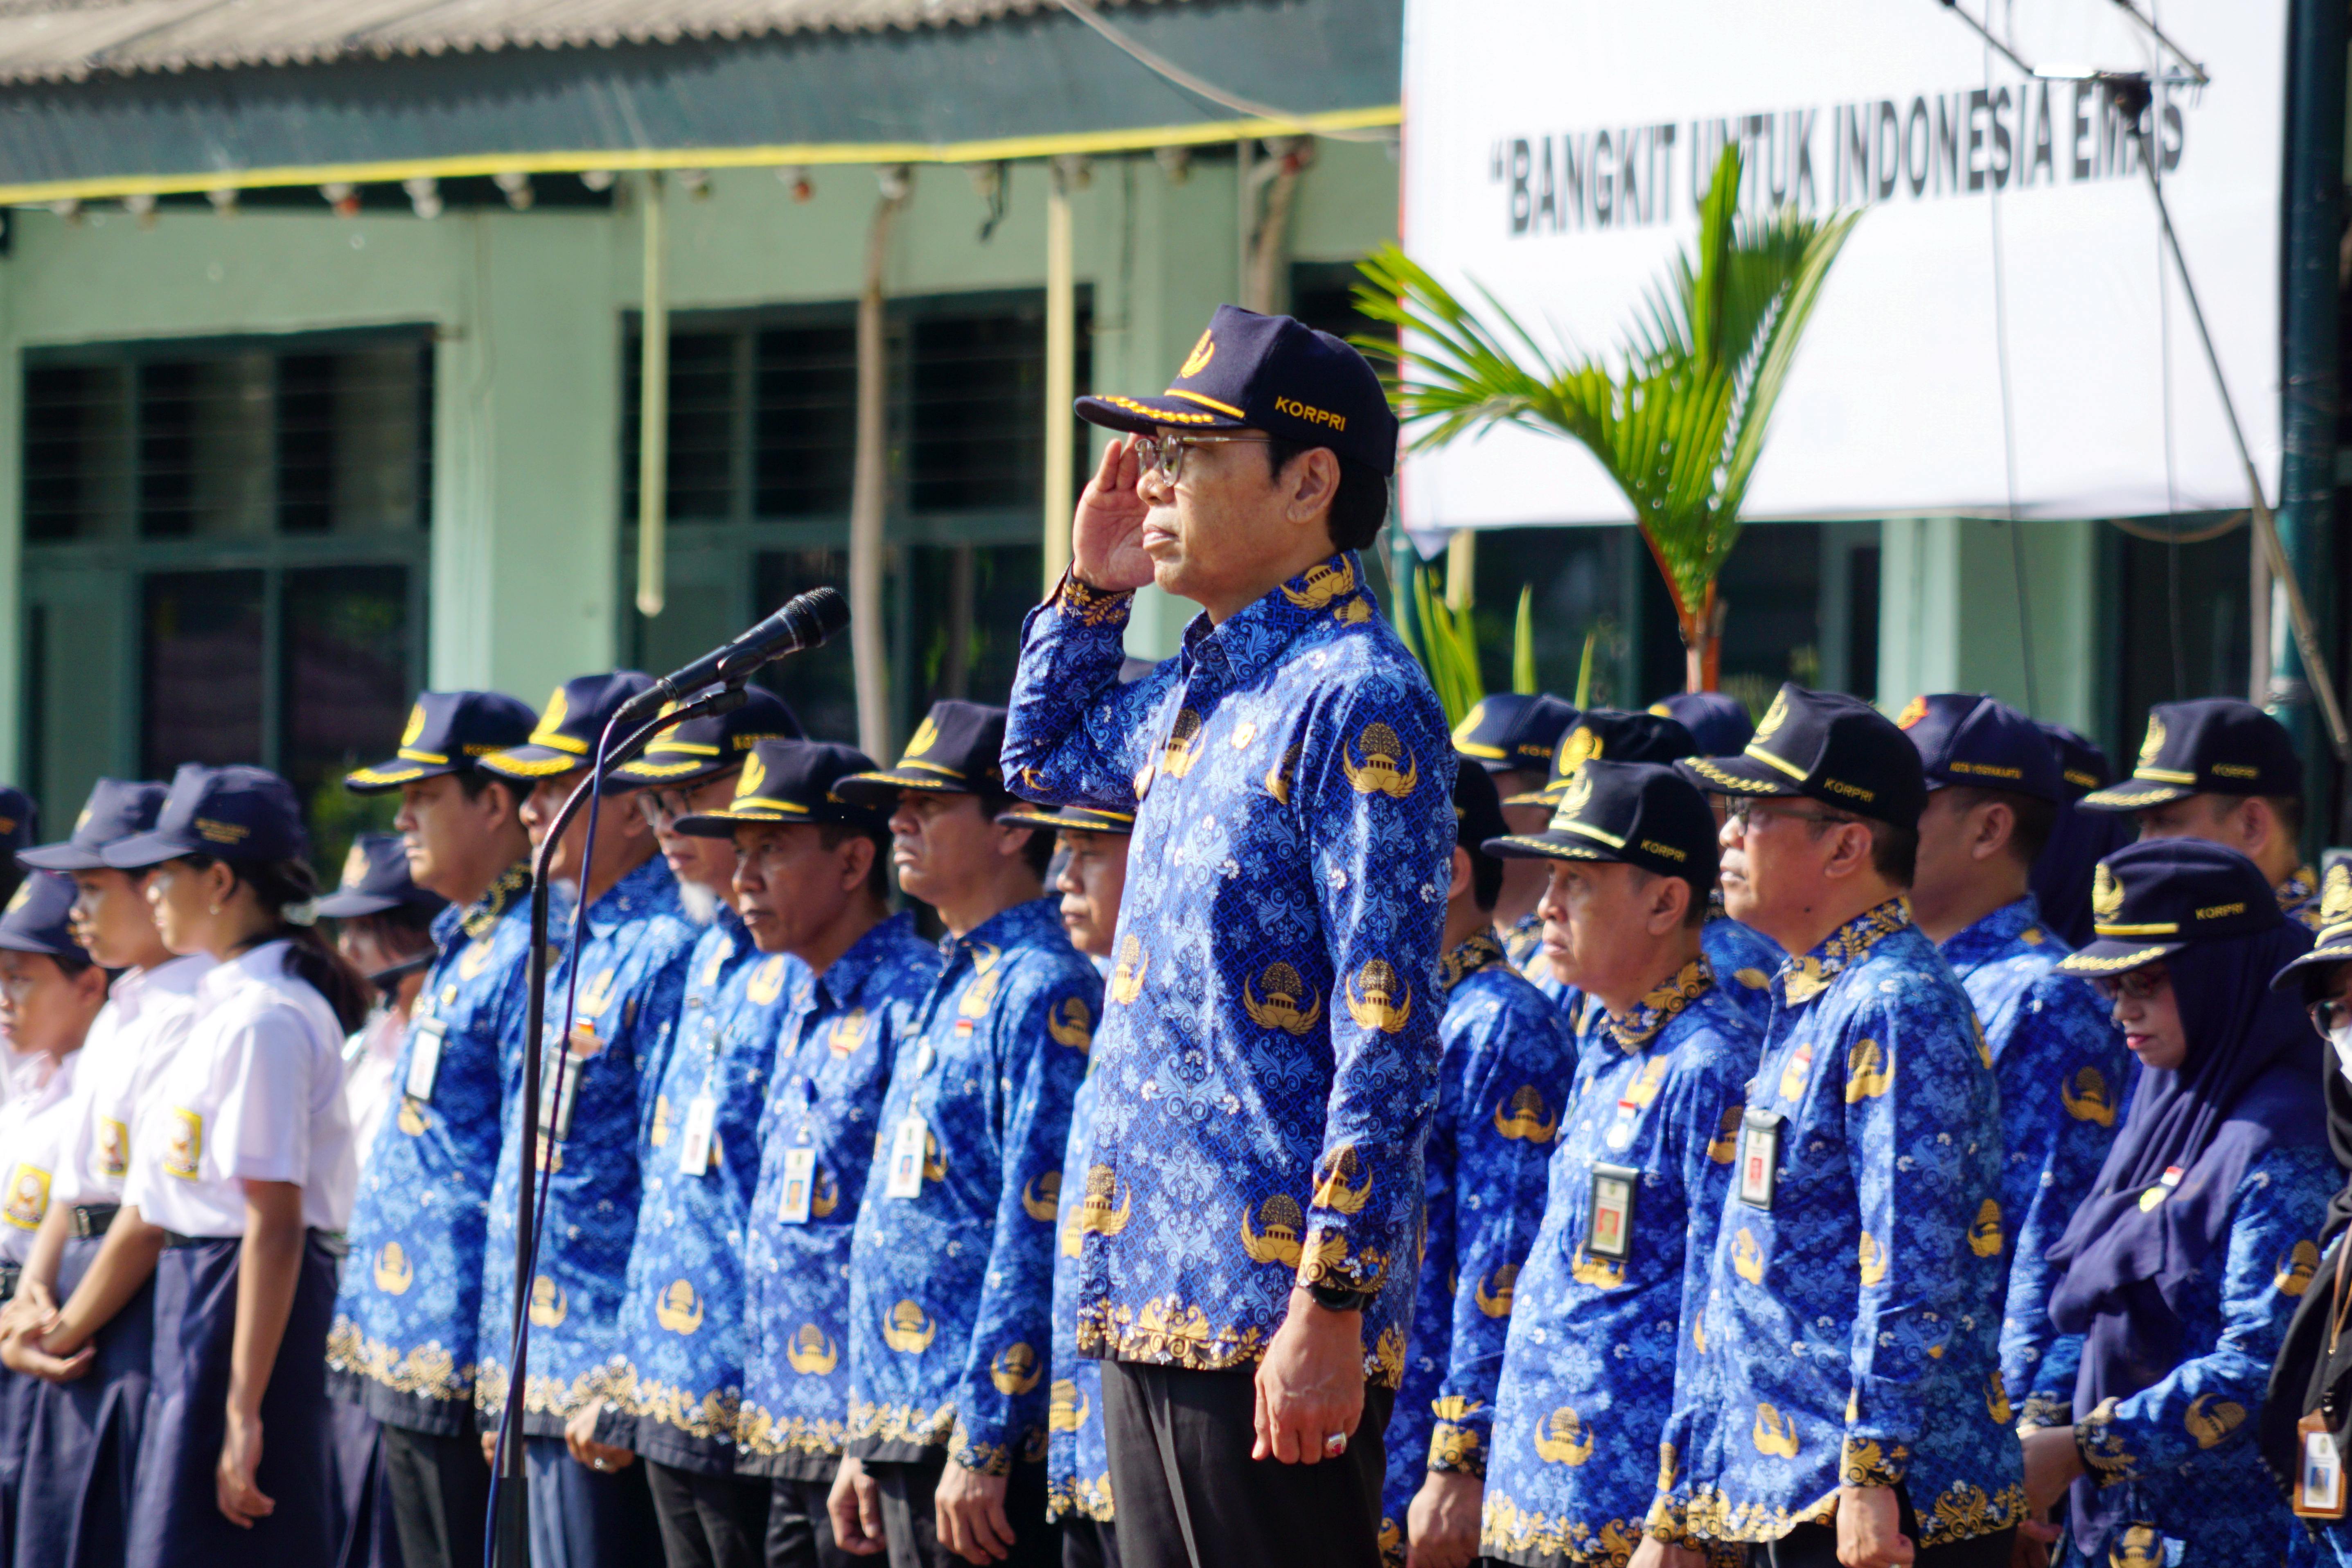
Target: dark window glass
x,y
1862,623
1323,295
201,670
345,688
73,424
820,685
167,451
306,443
805,420
969,603
976,410
704,401
2185,613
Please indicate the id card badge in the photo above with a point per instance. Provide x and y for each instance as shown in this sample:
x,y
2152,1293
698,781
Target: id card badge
x,y
906,1158
1609,1223
2319,1470
694,1142
559,1091
1760,1157
800,1184
425,1061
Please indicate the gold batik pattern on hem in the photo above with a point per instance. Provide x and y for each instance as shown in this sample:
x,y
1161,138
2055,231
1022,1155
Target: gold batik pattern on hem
x,y
1504,1528
427,1371
2102,1448
994,1458
758,1434
1862,1463
1167,1332
1662,1004
1080,1498
1961,1513
712,1417
1457,1450
540,1395
901,1424
2043,1410
1965,1511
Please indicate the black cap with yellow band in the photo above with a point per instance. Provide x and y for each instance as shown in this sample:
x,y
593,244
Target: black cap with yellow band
x,y
2214,745
2335,942
1617,734
957,750
447,732
684,755
1067,819
1635,814
789,783
1834,748
565,736
1513,731
2159,895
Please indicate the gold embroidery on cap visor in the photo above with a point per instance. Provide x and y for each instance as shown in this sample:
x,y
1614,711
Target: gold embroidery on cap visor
x,y
2096,964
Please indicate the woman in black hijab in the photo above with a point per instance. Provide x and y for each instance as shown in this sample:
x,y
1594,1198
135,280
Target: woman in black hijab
x,y
2303,1421
2183,1265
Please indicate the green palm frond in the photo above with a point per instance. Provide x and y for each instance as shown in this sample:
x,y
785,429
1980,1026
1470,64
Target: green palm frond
x,y
1677,417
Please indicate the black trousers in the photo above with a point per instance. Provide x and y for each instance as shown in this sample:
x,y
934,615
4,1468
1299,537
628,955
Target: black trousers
x,y
708,1522
911,1523
1190,1495
1088,1542
800,1535
1815,1545
440,1497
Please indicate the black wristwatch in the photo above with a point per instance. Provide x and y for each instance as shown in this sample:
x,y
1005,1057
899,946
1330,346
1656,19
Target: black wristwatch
x,y
1331,1298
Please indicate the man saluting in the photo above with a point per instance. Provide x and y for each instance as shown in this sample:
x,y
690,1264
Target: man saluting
x,y
1269,1039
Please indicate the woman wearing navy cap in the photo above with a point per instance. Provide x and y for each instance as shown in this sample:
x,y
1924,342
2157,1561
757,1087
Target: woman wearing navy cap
x,y
49,993
2178,1274
245,1145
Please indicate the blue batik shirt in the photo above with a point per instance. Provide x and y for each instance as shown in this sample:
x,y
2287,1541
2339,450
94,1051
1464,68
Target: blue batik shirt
x,y
1502,1086
633,970
951,1290
2185,1444
2061,1065
403,1344
1744,960
840,1032
1850,1324
1589,1367
1270,1039
1078,1455
675,1393
1523,942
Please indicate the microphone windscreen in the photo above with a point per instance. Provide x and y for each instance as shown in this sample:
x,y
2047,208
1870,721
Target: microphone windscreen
x,y
823,612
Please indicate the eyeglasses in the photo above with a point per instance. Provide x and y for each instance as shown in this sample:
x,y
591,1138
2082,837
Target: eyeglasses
x,y
2137,985
663,806
1166,453
1741,809
2328,1013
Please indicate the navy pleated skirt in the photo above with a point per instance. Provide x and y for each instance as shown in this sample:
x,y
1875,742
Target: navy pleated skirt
x,y
175,1516
81,1439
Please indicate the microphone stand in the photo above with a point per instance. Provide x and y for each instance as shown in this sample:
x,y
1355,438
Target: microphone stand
x,y
511,1533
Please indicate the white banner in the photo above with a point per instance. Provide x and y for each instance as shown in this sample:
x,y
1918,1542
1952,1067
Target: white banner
x,y
1554,149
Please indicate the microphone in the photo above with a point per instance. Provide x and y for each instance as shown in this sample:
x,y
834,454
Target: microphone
x,y
804,623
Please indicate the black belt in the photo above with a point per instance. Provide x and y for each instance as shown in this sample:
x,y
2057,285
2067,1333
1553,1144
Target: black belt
x,y
333,1242
91,1220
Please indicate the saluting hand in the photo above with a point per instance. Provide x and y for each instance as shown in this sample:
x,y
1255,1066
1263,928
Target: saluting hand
x,y
240,1500
1107,534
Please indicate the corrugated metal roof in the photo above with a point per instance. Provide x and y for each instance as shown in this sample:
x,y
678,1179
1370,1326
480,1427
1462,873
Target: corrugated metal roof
x,y
69,40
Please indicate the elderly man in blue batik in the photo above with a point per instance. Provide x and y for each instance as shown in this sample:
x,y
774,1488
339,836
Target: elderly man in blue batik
x,y
1993,791
1839,1397
1743,957
1270,1044
1504,1079
1636,1187
589,1503
403,1341
671,1398
1093,882
952,1264
1514,737
813,889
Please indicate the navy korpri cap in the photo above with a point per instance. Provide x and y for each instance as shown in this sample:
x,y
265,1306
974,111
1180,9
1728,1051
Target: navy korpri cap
x,y
447,732
1250,371
1716,721
2217,745
1067,819
2081,766
1838,749
788,782
235,813
2160,895
1965,739
565,736
2335,942
1514,730
1634,813
375,879
39,917
116,809
956,750
1616,735
700,748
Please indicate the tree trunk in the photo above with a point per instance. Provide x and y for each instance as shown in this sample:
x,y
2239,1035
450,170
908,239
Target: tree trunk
x,y
867,497
1703,644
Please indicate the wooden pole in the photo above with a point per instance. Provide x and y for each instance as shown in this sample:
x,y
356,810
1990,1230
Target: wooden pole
x,y
1061,373
869,480
653,414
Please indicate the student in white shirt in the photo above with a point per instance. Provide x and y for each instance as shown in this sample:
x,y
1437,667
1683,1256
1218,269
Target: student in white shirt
x,y
49,993
86,1414
241,1172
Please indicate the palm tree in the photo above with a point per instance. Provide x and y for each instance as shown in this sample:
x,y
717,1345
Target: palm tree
x,y
1678,424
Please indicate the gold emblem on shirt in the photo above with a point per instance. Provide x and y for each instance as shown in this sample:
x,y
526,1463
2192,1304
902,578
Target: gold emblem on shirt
x,y
2210,1418
1526,1116
1066,1408
1280,777
1378,998
1071,1022
767,982
1723,1147
1747,1257
679,1308
1042,1196
1283,990
548,1306
981,994
2297,1267
1774,1434
1387,766
1564,1439
1276,1239
1337,1188
1127,980
1183,749
1599,1273
1984,1235
811,1351
1014,1370
2085,1098
848,1033
1871,1258
1318,585
1997,1399
1867,1074
409,1118
908,1331
1497,1302
1101,1209
394,1273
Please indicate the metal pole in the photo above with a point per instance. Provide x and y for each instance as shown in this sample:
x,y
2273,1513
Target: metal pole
x,y
868,500
1061,372
653,413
